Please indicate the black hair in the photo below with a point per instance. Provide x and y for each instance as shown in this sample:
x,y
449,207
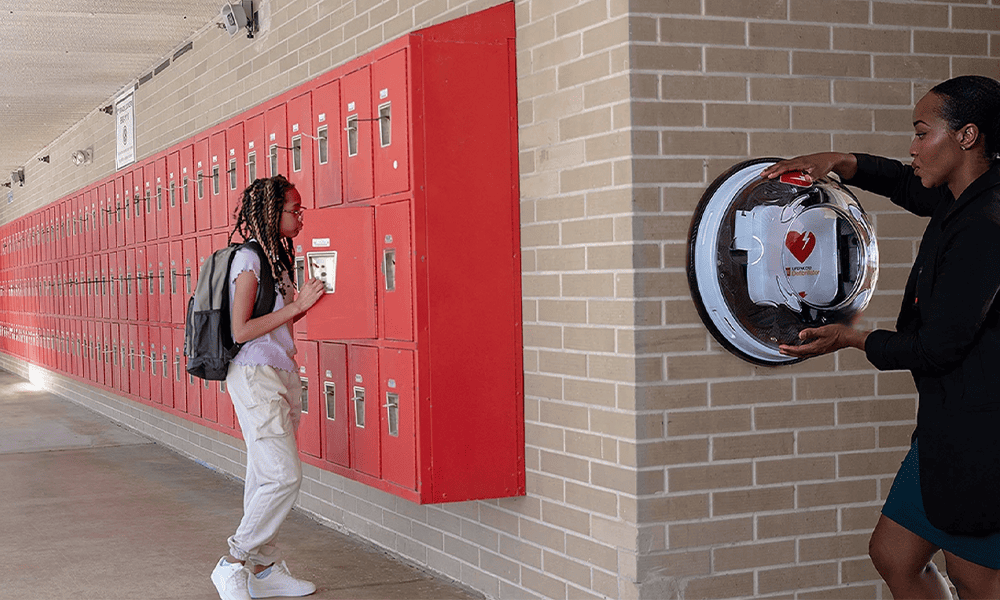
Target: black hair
x,y
973,99
259,217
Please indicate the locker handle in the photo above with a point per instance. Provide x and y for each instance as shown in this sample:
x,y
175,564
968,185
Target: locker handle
x,y
389,268
391,407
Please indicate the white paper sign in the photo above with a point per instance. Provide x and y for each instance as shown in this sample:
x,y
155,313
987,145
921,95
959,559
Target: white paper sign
x,y
125,130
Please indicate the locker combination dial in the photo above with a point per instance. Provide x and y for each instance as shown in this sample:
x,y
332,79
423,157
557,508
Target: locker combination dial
x,y
769,258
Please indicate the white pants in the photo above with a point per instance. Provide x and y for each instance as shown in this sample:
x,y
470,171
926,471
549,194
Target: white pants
x,y
268,405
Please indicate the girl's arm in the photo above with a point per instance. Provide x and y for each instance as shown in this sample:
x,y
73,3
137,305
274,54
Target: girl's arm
x,y
245,329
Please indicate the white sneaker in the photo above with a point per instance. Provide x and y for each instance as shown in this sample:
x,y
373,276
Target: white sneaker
x,y
278,582
231,580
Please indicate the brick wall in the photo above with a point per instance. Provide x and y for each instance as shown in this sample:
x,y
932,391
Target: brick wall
x,y
757,481
659,466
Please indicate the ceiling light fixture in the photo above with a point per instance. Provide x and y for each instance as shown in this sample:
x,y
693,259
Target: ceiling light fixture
x,y
82,157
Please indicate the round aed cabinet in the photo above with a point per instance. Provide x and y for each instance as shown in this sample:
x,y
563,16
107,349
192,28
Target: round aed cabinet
x,y
768,258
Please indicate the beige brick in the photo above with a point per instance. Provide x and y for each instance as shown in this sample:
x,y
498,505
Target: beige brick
x,y
869,463
798,523
563,363
797,577
860,518
557,209
753,446
886,93
688,535
609,34
950,43
562,311
665,58
585,177
739,585
751,392
665,170
871,39
856,592
614,145
837,386
561,259
599,555
833,547
780,35
585,14
589,499
828,118
701,31
747,116
651,482
916,15
787,417
677,339
742,60
838,492
548,587
753,501
753,9
795,470
832,11
672,396
710,421
584,70
589,339
874,411
617,312
565,517
731,143
751,556
667,114
579,443
840,439
895,436
606,91
707,477
975,18
791,89
933,68
787,144
590,231
841,64
673,508
858,570
705,366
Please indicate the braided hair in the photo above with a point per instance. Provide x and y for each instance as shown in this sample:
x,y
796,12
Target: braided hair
x,y
259,217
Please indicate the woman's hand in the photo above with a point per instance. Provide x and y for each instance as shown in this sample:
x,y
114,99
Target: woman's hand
x,y
816,166
824,340
309,295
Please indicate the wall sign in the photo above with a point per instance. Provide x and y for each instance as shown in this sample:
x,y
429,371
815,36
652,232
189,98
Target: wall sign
x,y
125,134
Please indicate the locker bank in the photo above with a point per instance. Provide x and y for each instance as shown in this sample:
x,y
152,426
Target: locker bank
x,y
508,384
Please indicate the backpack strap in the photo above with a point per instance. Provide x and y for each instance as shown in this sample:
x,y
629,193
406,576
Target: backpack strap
x,y
264,303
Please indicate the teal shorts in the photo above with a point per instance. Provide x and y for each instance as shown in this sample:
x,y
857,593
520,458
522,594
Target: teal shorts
x,y
906,507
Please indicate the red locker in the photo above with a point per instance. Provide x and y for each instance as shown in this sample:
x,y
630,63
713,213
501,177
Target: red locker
x,y
166,366
300,157
86,222
133,360
77,329
173,194
111,218
357,114
178,299
218,182
336,421
395,264
311,421
179,375
235,174
162,282
98,362
105,355
339,248
107,285
300,328
114,357
102,217
149,201
87,300
327,170
190,266
131,296
138,205
391,139
142,348
256,148
186,182
202,183
159,198
73,226
120,287
142,304
364,410
152,283
277,142
155,365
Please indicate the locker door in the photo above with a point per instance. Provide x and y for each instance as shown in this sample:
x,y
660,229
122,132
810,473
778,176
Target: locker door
x,y
106,283
149,201
276,140
166,368
176,277
73,226
189,268
235,172
202,183
300,328
89,354
256,148
91,300
357,114
105,357
111,216
300,158
327,156
132,358
86,223
336,421
102,217
310,423
160,200
179,373
120,297
186,183
218,179
94,221
125,231
114,356
138,206
391,139
173,193
395,265
78,359
142,305
339,248
364,410
79,284
131,295
163,281
143,361
152,282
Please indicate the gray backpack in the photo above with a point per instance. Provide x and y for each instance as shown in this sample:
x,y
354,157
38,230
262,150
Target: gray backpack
x,y
208,337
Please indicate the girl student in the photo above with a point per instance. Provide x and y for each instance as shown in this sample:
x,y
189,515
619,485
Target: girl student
x,y
264,385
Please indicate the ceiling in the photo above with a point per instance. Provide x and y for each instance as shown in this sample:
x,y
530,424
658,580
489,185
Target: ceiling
x,y
62,59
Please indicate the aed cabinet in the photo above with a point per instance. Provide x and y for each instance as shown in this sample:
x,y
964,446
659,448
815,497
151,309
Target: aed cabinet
x,y
411,362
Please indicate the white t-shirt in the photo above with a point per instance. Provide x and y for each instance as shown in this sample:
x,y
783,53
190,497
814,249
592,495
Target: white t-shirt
x,y
276,348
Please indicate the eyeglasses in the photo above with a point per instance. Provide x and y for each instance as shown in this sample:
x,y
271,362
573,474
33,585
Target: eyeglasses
x,y
296,213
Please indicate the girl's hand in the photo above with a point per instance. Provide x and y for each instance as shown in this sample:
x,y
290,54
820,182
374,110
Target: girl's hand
x,y
824,340
310,293
815,166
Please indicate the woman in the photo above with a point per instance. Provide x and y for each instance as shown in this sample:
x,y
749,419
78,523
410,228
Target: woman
x,y
946,495
264,385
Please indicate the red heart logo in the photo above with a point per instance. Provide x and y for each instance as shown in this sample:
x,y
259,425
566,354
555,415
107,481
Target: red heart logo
x,y
800,244
796,178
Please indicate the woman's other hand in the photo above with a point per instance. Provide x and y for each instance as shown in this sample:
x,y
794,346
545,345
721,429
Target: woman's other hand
x,y
310,293
815,166
824,340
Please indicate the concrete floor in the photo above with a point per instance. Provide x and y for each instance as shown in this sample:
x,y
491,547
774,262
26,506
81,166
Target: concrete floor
x,y
91,511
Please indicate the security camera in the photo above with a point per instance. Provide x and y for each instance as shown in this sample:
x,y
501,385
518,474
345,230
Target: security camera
x,y
17,177
236,16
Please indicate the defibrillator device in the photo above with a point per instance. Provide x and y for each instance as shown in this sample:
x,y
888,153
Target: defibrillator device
x,y
770,257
